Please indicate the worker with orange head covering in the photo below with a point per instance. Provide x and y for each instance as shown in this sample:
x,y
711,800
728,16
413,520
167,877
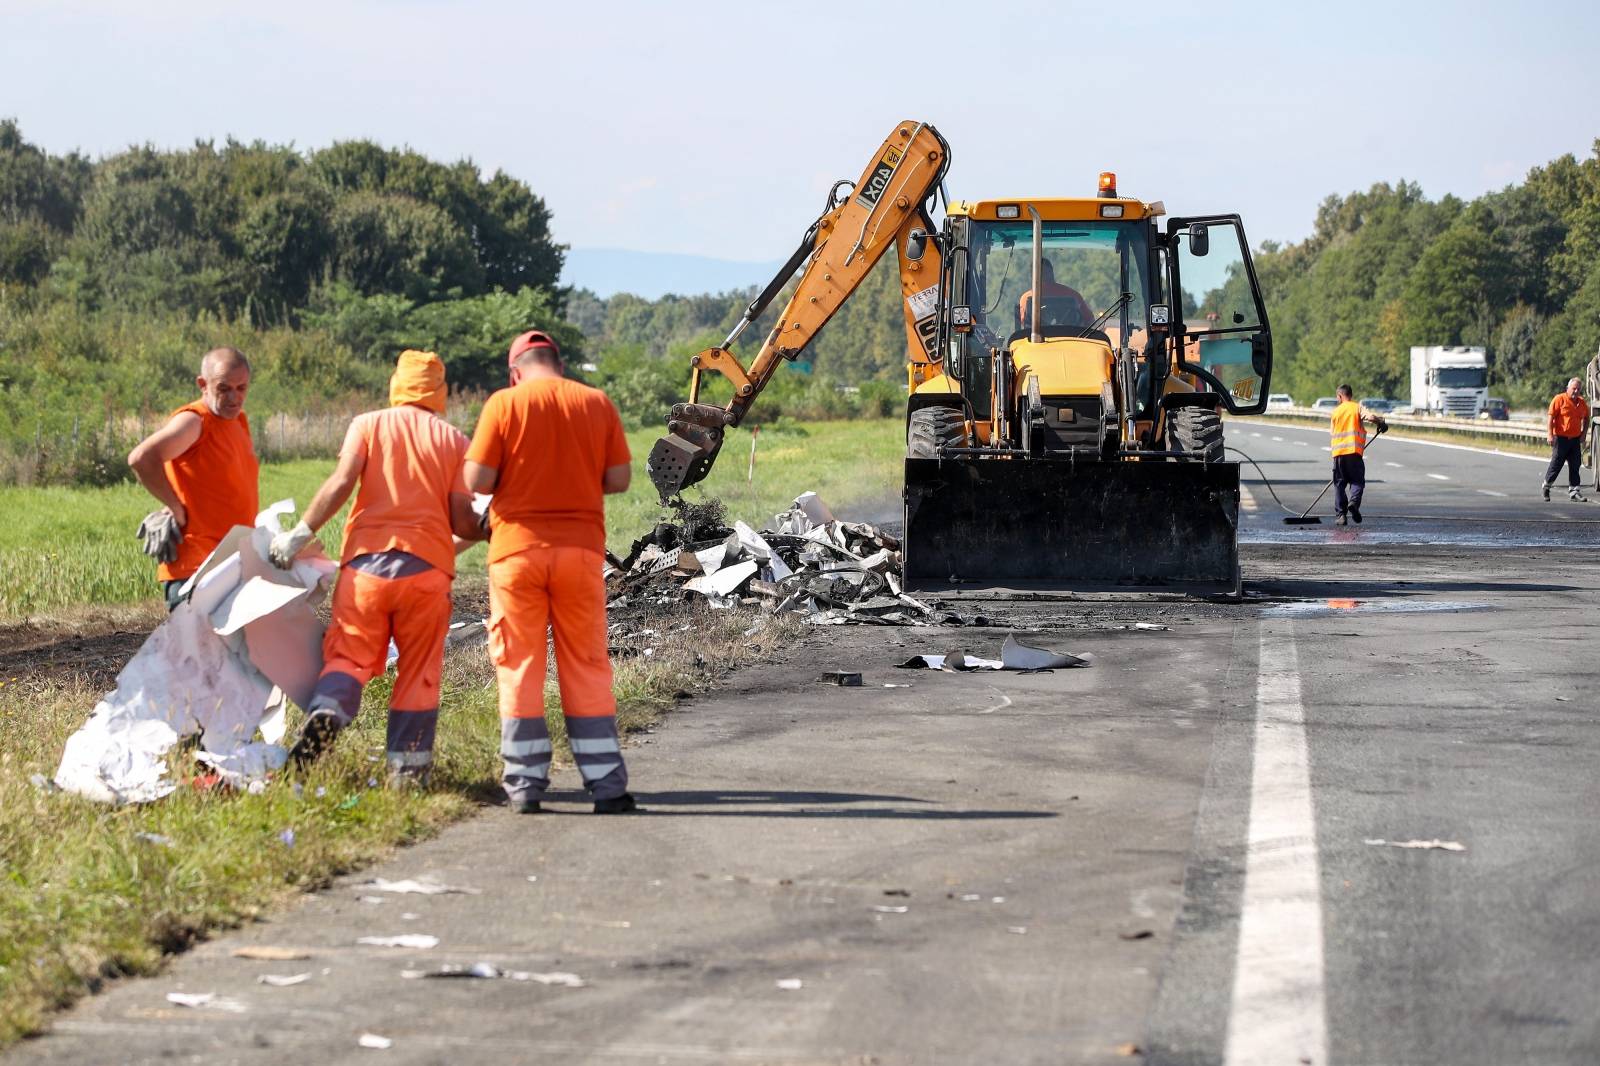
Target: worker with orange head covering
x,y
550,449
202,467
398,561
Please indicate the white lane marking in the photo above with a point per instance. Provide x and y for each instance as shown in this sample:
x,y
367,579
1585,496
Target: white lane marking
x,y
1491,492
1419,443
1397,466
1247,499
1279,1012
1326,448
1440,477
1302,444
1278,439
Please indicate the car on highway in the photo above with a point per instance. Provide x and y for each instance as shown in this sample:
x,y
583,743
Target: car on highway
x,y
1494,409
1279,399
1382,405
1325,403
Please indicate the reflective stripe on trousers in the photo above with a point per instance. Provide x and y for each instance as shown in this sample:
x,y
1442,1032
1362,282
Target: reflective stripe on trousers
x,y
558,591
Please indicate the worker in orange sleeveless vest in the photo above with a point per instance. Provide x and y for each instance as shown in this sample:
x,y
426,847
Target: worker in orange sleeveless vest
x,y
1349,446
202,468
396,567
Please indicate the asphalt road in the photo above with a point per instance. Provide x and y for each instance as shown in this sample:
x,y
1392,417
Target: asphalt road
x,y
1168,856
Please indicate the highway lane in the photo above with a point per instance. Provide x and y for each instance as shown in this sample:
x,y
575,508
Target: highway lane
x,y
1170,850
1408,478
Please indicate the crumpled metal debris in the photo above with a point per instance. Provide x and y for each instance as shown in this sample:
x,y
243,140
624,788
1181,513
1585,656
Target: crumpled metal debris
x,y
1014,655
805,562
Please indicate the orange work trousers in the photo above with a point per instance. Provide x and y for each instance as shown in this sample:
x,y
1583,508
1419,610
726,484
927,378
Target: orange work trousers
x,y
559,591
367,612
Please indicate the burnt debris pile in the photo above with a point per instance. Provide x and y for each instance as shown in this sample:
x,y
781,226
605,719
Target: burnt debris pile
x,y
805,562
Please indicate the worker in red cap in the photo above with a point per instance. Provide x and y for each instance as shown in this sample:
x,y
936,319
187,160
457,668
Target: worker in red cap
x,y
398,561
550,449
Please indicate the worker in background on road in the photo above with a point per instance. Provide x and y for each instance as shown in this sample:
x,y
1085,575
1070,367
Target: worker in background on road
x,y
201,467
1569,418
397,564
1053,290
1349,447
550,449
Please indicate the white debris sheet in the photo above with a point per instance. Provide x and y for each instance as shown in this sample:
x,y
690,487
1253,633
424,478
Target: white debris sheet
x,y
805,562
1014,655
220,666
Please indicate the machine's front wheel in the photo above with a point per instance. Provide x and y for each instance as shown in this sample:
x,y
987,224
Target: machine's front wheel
x,y
932,428
1197,431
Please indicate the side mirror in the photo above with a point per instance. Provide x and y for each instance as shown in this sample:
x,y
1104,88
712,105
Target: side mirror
x,y
916,244
1199,241
1238,318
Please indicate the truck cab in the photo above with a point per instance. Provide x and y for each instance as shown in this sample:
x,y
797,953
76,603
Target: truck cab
x,y
1449,380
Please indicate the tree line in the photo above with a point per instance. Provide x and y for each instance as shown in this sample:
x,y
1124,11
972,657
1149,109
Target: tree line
x,y
322,263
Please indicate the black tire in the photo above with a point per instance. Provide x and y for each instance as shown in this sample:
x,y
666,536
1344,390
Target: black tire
x,y
1197,431
932,428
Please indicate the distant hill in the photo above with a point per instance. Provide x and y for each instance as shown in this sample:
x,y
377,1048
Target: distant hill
x,y
608,271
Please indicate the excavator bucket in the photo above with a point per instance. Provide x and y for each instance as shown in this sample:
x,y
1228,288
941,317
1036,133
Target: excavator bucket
x,y
1049,525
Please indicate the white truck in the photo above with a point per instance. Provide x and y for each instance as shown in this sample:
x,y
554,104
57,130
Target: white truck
x,y
1449,380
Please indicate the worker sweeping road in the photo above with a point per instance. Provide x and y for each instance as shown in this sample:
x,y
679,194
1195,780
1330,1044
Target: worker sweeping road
x,y
1349,445
398,561
202,468
1569,416
550,449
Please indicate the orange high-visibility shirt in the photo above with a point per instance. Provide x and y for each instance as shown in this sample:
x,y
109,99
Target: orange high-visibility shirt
x,y
1349,435
1568,416
412,463
1052,290
551,440
216,482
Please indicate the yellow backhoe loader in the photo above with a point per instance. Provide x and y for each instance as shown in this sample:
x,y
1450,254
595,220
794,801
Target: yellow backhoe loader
x,y
1069,360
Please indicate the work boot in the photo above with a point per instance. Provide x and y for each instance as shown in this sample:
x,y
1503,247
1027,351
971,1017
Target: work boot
x,y
1577,497
410,780
623,804
315,737
1341,520
1355,513
1547,490
525,806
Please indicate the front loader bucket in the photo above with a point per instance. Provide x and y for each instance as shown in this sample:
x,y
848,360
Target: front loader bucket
x,y
1053,525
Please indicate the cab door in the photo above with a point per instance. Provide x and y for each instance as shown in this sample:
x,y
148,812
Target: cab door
x,y
1219,326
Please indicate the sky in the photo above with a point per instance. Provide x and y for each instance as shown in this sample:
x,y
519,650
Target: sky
x,y
714,129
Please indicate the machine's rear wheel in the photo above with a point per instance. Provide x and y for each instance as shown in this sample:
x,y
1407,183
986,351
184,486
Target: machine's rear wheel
x,y
1196,430
932,428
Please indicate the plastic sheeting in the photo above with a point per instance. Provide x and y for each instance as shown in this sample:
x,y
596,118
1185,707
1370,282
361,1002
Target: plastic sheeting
x,y
219,667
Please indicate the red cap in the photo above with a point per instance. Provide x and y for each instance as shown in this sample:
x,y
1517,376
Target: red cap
x,y
534,338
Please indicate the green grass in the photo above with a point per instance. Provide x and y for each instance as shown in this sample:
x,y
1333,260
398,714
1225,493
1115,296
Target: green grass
x,y
84,898
74,547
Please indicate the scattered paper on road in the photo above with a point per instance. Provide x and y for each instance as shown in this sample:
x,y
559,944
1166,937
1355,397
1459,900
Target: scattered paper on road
x,y
268,953
1421,845
283,980
421,941
423,888
206,1001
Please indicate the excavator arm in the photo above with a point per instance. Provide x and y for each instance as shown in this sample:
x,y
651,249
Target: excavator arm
x,y
885,208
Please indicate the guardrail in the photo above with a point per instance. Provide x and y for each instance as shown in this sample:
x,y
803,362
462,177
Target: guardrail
x,y
1474,426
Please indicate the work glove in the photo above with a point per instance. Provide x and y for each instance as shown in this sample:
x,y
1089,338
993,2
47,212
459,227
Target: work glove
x,y
1383,427
287,545
160,536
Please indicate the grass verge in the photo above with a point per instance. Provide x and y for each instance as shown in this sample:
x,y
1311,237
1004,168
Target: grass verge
x,y
89,893
75,547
